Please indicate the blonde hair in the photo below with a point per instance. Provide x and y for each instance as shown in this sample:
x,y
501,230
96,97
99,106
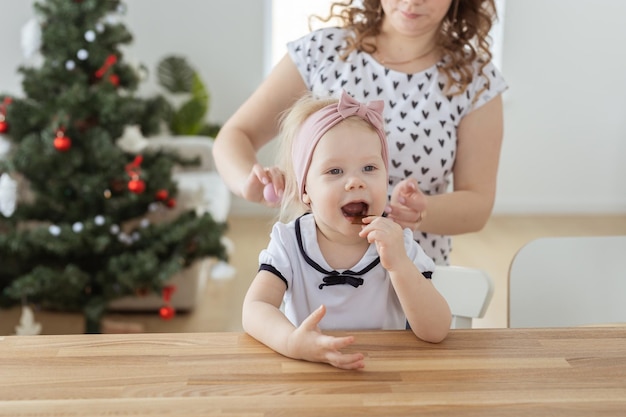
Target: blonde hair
x,y
291,205
463,35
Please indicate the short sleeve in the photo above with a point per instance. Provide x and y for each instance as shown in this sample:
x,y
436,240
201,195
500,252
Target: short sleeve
x,y
312,51
276,254
497,85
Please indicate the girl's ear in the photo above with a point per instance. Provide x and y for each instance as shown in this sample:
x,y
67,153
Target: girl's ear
x,y
305,199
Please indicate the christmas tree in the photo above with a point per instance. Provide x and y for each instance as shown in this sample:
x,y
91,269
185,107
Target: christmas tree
x,y
75,228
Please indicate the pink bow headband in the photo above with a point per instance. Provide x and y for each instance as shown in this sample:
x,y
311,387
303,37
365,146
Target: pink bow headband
x,y
320,122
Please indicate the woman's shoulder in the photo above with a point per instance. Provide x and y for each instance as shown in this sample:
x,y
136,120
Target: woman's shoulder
x,y
489,69
330,32
323,36
487,83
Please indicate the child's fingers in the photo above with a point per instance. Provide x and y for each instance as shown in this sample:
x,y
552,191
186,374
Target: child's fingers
x,y
346,360
312,322
336,343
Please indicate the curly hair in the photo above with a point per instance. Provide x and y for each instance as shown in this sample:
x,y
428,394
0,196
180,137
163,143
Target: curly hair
x,y
463,35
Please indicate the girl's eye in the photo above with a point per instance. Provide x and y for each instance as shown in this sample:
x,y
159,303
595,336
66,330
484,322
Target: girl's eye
x,y
335,171
369,168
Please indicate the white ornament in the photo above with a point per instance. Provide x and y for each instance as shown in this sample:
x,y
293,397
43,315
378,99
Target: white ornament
x,y
90,36
8,195
28,326
77,227
125,238
100,27
144,223
114,229
112,19
5,146
70,65
99,220
132,140
82,54
54,230
31,38
138,68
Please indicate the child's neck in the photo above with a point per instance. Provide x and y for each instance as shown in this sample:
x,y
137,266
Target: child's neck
x,y
341,255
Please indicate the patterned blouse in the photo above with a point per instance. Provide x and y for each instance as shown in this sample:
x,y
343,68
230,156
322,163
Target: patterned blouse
x,y
421,120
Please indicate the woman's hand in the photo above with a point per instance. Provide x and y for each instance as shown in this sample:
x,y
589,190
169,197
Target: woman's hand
x,y
264,185
408,204
307,342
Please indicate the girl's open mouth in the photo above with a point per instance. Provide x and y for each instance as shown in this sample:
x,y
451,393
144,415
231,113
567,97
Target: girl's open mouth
x,y
355,212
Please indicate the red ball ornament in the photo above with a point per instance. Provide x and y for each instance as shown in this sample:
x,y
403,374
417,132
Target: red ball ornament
x,y
171,203
136,186
167,312
142,292
114,79
62,143
118,185
4,125
167,292
161,195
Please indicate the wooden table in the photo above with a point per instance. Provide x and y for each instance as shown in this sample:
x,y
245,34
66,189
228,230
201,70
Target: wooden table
x,y
479,372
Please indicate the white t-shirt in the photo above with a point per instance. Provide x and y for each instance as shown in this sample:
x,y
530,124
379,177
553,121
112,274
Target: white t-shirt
x,y
293,255
421,121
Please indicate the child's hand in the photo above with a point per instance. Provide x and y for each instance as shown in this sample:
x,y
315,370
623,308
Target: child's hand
x,y
408,204
307,342
389,239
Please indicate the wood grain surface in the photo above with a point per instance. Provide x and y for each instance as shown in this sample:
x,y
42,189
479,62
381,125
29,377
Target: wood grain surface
x,y
479,372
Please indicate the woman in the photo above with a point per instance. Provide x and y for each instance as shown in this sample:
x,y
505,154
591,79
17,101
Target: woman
x,y
429,62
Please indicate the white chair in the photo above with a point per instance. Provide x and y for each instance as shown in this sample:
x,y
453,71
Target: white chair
x,y
467,290
568,281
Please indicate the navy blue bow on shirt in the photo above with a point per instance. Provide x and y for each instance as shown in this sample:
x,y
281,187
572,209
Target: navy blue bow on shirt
x,y
341,279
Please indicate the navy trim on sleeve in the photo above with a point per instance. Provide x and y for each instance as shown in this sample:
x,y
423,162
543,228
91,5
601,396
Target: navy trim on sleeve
x,y
270,268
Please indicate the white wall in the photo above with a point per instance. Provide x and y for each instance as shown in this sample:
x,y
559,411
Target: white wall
x,y
207,32
565,112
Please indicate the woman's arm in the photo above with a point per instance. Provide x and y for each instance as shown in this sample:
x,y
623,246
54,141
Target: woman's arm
x,y
253,125
468,207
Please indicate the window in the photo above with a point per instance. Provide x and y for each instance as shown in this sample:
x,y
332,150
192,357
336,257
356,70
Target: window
x,y
290,20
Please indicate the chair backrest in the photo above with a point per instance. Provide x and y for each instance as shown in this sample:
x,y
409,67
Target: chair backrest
x,y
467,290
568,281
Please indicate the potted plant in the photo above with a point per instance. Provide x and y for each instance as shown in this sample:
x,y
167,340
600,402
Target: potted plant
x,y
185,85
